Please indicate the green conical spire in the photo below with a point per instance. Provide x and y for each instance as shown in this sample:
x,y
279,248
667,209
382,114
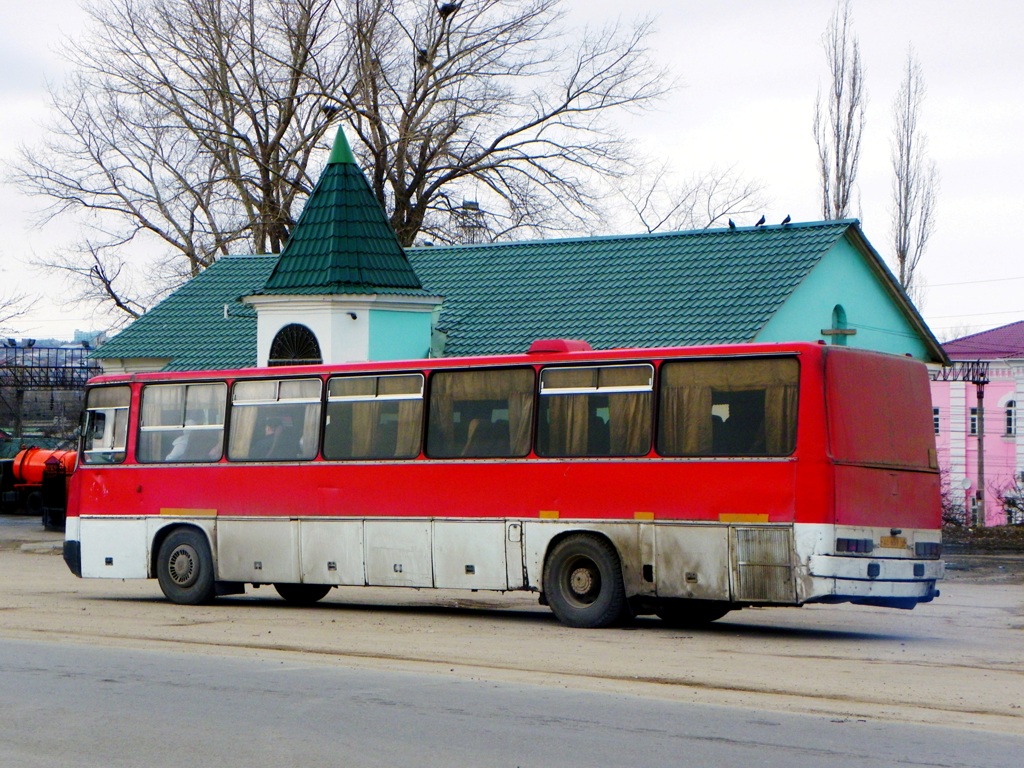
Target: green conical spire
x,y
343,242
341,152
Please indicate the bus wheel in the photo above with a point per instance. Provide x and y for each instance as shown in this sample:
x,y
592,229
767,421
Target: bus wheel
x,y
686,614
185,568
302,594
583,582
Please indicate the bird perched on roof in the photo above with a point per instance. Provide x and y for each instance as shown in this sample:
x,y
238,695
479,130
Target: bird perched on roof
x,y
732,224
786,220
760,221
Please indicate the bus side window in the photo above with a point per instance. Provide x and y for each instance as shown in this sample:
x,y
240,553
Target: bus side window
x,y
182,422
275,420
728,407
105,426
374,417
480,413
596,411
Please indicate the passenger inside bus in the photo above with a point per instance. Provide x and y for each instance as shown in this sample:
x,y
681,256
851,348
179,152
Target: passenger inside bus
x,y
737,423
196,445
280,440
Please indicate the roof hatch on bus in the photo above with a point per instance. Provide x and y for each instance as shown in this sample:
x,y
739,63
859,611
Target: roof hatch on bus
x,y
541,346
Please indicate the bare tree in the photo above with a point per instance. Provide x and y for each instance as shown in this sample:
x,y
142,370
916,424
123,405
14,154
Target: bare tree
x,y
915,179
185,132
190,126
12,306
702,201
484,102
839,123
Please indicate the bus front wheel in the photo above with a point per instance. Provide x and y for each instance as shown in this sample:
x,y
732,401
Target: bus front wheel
x,y
583,582
302,594
185,568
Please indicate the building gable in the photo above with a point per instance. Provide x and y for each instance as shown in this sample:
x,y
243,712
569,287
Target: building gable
x,y
850,284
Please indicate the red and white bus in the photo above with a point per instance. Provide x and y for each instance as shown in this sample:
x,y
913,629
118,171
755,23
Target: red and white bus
x,y
684,482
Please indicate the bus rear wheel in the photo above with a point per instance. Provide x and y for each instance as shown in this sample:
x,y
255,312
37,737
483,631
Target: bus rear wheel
x,y
687,614
583,582
302,594
185,568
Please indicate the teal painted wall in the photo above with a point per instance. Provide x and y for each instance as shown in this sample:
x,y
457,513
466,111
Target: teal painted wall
x,y
399,335
843,277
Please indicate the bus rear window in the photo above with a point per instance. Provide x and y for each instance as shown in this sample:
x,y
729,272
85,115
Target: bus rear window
x,y
745,407
879,410
105,425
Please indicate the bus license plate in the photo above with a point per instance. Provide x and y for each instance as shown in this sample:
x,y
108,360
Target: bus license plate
x,y
893,542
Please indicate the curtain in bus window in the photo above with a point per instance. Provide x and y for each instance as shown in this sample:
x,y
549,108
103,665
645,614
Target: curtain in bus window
x,y
629,413
565,418
480,413
729,407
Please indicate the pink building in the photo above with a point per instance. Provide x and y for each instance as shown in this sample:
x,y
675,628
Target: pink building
x,y
961,426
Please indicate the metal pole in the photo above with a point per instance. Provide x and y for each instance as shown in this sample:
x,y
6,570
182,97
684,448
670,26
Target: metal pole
x,y
19,401
981,455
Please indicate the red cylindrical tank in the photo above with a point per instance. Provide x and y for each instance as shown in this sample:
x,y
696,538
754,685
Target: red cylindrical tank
x,y
30,463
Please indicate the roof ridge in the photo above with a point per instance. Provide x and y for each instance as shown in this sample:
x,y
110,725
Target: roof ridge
x,y
835,223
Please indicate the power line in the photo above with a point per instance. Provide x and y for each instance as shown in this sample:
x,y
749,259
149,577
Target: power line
x,y
980,314
972,282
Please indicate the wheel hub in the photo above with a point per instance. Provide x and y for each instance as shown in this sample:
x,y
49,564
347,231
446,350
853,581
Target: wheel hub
x,y
581,580
182,565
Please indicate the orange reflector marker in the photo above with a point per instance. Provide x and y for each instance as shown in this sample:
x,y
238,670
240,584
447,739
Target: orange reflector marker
x,y
188,512
643,515
548,514
740,517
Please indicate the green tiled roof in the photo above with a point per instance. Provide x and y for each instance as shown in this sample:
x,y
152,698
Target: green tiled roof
x,y
677,288
724,286
343,242
190,326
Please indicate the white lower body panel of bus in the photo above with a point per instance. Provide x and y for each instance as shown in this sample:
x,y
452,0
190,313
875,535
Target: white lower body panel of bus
x,y
738,563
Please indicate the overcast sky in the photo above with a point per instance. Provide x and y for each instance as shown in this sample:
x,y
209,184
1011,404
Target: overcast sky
x,y
750,71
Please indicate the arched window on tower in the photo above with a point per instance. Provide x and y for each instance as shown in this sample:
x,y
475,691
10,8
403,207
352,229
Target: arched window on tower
x,y
1011,418
295,344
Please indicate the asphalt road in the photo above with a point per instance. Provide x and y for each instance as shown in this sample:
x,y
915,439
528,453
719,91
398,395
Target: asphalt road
x,y
96,706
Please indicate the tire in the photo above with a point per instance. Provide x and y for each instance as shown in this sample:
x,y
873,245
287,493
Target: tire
x,y
689,614
184,568
583,582
302,594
